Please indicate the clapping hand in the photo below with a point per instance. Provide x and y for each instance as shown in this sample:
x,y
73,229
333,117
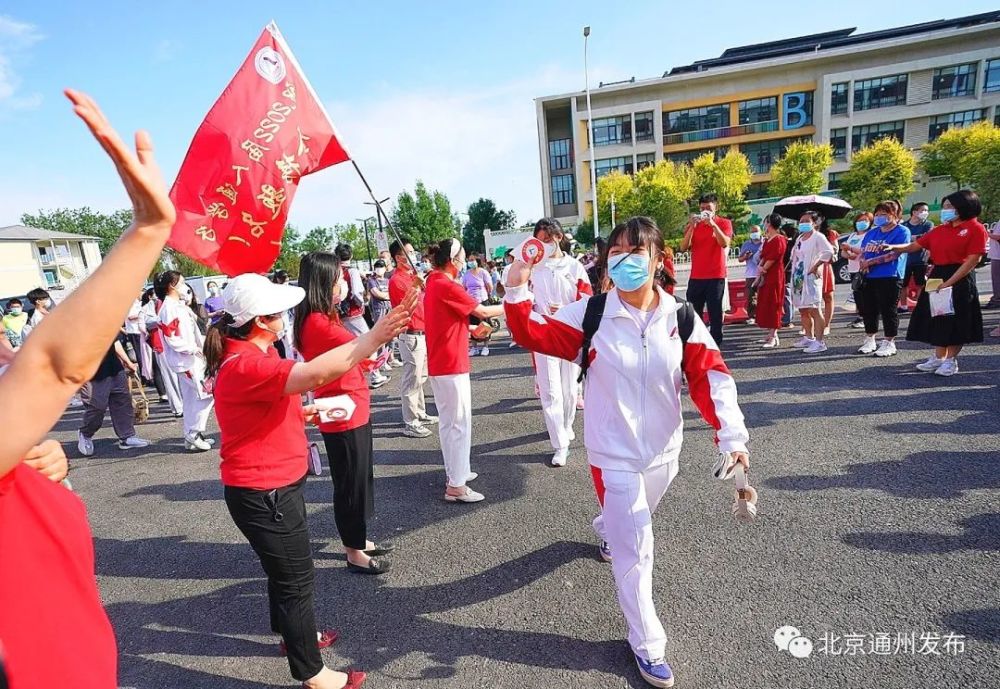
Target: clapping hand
x,y
49,459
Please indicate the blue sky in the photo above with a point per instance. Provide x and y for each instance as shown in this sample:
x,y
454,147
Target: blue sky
x,y
440,91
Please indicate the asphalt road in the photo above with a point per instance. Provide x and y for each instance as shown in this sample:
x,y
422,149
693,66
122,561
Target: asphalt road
x,y
878,515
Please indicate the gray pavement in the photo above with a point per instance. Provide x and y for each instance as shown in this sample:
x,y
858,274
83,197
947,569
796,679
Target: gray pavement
x,y
879,515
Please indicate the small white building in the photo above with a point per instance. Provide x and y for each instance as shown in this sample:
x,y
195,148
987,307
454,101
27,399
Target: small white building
x,y
31,258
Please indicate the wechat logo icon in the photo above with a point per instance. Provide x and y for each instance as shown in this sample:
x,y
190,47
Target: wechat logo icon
x,y
789,638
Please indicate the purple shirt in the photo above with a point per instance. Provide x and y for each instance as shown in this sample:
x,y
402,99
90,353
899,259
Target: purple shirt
x,y
213,304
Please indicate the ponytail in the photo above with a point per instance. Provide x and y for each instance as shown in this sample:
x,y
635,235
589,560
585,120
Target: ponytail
x,y
215,341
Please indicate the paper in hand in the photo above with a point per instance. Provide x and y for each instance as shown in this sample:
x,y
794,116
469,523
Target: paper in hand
x,y
334,409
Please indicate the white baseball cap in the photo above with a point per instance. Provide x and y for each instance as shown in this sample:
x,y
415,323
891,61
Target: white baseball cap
x,y
250,295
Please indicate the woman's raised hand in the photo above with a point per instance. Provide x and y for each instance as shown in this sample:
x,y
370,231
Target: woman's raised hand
x,y
151,205
518,273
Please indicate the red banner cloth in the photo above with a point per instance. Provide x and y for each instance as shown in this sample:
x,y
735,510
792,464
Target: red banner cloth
x,y
237,181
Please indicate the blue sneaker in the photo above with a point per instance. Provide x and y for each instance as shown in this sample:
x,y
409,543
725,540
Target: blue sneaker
x,y
605,551
655,672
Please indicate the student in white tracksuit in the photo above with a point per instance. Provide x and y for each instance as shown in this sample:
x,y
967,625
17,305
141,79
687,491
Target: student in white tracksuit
x,y
557,281
632,422
182,348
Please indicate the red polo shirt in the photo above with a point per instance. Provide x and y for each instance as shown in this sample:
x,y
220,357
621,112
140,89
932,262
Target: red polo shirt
x,y
951,244
448,310
708,259
263,429
53,629
399,284
318,335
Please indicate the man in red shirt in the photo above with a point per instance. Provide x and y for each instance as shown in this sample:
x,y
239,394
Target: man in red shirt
x,y
412,343
707,236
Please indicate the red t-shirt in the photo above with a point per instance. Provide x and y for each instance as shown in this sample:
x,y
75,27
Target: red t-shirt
x,y
951,244
399,284
708,259
263,429
53,629
318,335
448,309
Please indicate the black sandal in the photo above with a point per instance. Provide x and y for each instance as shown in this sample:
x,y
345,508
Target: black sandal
x,y
374,567
379,549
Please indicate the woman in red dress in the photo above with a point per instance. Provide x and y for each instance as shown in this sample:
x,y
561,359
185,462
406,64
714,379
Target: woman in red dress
x,y
771,280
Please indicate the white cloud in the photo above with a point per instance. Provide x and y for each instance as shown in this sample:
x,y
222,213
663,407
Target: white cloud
x,y
15,38
471,144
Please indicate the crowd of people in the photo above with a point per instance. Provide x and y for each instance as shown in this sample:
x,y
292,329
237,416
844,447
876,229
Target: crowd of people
x,y
268,357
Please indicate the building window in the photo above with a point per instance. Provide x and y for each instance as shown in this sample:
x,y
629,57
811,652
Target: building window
x,y
696,124
996,117
559,155
606,165
759,110
955,81
687,157
992,81
957,120
644,160
613,130
762,154
838,98
758,190
834,181
883,92
644,126
838,140
866,134
562,190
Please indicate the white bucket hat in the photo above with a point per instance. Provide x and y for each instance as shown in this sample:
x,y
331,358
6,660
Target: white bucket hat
x,y
250,295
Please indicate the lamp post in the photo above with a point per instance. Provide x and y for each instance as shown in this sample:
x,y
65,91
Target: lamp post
x,y
368,245
590,125
378,214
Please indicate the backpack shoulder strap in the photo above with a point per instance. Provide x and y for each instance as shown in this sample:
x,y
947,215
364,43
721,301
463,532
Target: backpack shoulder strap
x,y
591,322
685,324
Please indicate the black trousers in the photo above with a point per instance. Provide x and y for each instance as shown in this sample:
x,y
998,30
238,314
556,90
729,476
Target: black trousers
x,y
709,293
751,297
857,282
350,456
880,297
274,522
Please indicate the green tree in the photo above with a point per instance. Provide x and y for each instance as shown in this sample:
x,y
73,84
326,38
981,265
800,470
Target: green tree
x,y
484,214
317,239
728,178
289,256
584,232
620,187
800,170
662,193
107,227
985,174
884,170
424,216
955,153
353,235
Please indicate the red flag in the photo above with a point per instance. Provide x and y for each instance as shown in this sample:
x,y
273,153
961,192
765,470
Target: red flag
x,y
236,184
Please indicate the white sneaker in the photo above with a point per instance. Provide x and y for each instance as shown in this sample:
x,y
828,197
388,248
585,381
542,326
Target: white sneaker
x,y
886,348
386,369
132,442
559,458
468,496
826,330
485,351
428,419
932,364
473,351
512,345
75,401
948,367
195,443
815,348
772,342
395,363
377,380
868,346
416,431
751,321
804,342
85,445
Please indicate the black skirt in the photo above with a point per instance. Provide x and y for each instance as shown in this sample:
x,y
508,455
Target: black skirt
x,y
962,327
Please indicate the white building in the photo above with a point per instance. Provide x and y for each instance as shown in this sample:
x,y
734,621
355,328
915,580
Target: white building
x,y
31,258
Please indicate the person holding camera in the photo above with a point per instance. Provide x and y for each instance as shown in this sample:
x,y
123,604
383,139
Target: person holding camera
x,y
707,236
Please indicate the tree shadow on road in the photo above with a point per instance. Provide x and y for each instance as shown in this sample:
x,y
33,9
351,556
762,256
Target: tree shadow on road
x,y
941,475
982,624
982,532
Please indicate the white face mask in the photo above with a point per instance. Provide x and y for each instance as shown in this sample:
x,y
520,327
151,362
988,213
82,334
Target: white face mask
x,y
380,272
922,215
185,293
339,291
278,334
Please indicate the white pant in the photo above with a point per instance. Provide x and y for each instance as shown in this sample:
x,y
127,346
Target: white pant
x,y
626,523
196,409
557,390
453,397
358,326
413,352
171,386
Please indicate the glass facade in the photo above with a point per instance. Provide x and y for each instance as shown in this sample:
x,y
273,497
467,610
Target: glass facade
x,y
645,160
559,155
562,190
955,81
759,110
762,154
644,126
838,140
606,165
956,120
834,180
991,81
883,92
695,124
613,130
866,134
689,156
758,190
838,98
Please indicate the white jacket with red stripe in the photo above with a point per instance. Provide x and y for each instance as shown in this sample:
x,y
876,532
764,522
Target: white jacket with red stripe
x,y
633,419
557,282
182,340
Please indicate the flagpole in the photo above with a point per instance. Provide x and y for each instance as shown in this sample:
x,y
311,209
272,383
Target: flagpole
x,y
378,206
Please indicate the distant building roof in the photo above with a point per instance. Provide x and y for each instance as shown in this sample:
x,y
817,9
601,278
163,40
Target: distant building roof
x,y
33,234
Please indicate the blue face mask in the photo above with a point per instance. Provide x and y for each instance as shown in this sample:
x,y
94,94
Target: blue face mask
x,y
861,225
630,272
15,310
425,266
470,265
948,214
881,220
755,236
805,227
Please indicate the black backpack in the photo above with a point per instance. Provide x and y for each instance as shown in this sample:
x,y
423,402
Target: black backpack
x,y
595,312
